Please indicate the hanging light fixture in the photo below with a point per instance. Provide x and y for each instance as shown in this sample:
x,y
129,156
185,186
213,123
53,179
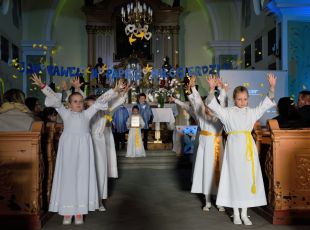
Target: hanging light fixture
x,y
137,17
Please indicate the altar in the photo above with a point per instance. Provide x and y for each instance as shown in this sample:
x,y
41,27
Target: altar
x,y
162,115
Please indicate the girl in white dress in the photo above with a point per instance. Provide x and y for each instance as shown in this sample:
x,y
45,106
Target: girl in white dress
x,y
135,146
241,183
74,189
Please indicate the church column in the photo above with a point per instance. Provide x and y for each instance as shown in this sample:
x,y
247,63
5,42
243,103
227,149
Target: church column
x,y
175,45
90,35
165,41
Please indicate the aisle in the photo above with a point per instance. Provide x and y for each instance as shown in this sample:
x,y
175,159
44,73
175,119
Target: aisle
x,y
158,199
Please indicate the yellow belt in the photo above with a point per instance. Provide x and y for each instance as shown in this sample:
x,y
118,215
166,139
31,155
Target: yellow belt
x,y
217,150
138,144
108,117
249,154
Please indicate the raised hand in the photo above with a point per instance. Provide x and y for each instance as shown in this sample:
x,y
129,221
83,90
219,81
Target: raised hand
x,y
119,86
212,80
64,85
222,85
272,79
126,89
75,82
37,80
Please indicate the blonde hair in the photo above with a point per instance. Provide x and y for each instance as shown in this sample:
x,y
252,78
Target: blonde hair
x,y
240,89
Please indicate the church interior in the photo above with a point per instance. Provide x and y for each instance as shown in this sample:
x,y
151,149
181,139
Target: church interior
x,y
124,114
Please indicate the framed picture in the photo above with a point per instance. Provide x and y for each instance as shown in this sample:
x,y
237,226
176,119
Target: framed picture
x,y
135,121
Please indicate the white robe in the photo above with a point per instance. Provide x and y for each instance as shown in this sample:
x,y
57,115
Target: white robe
x,y
97,130
111,152
205,177
134,138
236,174
74,189
109,139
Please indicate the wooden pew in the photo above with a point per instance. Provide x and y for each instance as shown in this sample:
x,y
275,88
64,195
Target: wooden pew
x,y
21,160
50,159
286,173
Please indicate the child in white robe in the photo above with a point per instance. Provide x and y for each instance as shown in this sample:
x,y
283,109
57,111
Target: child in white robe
x,y
74,189
210,149
109,138
98,127
241,183
135,146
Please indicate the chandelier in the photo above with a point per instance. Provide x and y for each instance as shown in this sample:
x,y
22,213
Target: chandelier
x,y
137,18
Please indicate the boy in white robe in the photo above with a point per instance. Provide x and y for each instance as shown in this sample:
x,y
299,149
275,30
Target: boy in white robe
x,y
74,189
241,183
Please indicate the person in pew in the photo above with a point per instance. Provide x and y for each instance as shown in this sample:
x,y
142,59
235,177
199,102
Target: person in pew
x,y
147,115
74,189
304,108
135,122
241,182
14,114
33,105
288,115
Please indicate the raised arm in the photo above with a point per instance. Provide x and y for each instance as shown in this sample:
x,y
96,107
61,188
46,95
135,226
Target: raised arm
x,y
196,101
182,104
218,110
52,99
268,102
117,102
223,92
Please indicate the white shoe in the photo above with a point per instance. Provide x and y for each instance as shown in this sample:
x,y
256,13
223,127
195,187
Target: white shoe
x,y
237,219
246,220
67,220
102,208
207,207
78,219
221,208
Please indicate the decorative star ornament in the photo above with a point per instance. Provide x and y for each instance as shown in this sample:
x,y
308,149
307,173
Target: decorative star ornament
x,y
131,39
147,69
140,35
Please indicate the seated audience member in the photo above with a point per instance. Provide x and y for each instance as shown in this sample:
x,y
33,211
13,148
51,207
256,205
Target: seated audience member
x,y
14,114
34,106
288,116
304,108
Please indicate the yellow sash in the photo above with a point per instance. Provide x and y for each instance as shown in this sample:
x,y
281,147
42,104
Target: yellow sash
x,y
249,154
217,150
138,144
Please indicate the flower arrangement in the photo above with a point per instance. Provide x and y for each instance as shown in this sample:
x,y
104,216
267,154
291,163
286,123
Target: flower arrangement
x,y
171,88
